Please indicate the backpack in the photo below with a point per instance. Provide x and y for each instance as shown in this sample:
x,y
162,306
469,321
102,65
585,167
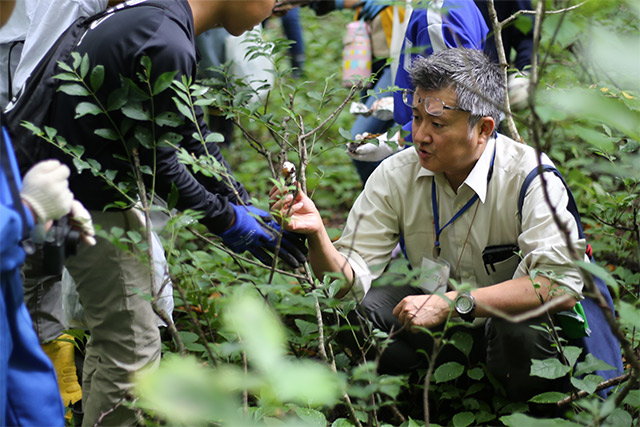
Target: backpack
x,y
35,101
600,342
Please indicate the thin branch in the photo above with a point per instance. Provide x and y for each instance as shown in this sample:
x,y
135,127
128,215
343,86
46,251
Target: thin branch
x,y
497,35
513,17
605,384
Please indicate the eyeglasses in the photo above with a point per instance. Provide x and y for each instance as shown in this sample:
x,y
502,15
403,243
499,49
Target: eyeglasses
x,y
432,106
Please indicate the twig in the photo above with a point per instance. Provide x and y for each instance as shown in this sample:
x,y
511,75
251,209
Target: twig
x,y
497,35
352,93
605,384
196,324
513,17
629,353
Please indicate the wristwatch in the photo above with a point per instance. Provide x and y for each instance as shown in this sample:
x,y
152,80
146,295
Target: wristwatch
x,y
465,305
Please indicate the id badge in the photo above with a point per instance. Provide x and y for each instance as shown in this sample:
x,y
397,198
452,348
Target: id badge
x,y
434,276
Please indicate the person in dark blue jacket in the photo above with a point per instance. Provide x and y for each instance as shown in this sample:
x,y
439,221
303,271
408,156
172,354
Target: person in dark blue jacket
x,y
444,24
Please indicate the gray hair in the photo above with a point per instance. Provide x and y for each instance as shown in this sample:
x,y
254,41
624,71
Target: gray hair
x,y
476,80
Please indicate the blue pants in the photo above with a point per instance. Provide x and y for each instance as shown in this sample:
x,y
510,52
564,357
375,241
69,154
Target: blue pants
x,y
29,394
293,31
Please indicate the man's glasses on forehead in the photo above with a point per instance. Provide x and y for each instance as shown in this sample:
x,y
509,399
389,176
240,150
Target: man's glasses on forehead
x,y
432,106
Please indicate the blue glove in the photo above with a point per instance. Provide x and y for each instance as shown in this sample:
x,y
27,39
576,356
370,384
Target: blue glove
x,y
371,9
254,230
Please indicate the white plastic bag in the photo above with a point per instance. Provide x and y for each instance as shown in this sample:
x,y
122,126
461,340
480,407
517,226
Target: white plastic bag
x,y
255,70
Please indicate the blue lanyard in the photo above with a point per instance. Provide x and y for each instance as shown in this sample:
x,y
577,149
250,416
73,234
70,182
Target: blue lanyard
x,y
436,216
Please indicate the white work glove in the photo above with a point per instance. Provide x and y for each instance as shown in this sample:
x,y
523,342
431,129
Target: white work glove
x,y
372,152
381,109
45,188
518,85
81,220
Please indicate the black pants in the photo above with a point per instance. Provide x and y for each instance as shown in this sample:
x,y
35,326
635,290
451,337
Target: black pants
x,y
507,348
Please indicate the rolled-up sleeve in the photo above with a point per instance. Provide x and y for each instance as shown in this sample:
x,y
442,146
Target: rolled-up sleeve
x,y
544,248
371,232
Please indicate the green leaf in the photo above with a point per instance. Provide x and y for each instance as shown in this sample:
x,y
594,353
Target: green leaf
x,y
110,174
591,364
172,200
523,24
306,328
463,419
84,66
84,108
106,133
596,270
345,134
590,105
475,374
311,417
588,383
462,341
548,368
134,236
77,59
618,418
143,136
135,111
80,164
97,77
215,137
522,420
629,314
163,82
448,371
342,422
571,353
169,138
184,110
73,89
145,61
548,397
67,77
146,169
116,99
168,118
64,66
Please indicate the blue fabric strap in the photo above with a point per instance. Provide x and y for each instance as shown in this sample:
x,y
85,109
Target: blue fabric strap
x,y
602,343
434,205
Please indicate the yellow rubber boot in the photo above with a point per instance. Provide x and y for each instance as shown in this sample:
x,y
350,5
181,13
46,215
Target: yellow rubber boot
x,y
61,353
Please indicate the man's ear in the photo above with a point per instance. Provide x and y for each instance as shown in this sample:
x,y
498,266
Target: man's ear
x,y
486,127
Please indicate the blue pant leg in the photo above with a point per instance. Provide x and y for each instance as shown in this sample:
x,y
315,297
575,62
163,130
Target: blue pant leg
x,y
293,31
33,397
371,124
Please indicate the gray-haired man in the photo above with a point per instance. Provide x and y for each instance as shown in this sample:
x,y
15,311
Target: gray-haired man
x,y
452,197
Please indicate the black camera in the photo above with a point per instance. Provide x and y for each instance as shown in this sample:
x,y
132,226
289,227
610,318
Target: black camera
x,y
61,241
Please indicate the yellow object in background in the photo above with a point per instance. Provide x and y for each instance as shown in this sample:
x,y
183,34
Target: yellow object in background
x,y
61,353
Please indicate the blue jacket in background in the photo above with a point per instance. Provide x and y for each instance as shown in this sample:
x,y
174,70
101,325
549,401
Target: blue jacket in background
x,y
458,24
29,392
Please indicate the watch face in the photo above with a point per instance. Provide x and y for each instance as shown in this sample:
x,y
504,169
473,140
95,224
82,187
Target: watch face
x,y
464,304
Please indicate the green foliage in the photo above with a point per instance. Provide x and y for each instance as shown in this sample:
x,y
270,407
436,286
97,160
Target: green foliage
x,y
254,345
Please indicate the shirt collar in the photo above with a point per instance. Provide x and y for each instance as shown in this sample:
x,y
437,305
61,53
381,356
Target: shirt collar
x,y
477,178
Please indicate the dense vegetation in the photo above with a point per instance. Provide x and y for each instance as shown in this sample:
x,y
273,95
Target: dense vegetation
x,y
257,345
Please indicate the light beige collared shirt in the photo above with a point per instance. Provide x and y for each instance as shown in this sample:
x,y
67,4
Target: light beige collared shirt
x,y
397,201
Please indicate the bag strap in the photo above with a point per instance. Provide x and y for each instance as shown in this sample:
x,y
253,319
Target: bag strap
x,y
571,203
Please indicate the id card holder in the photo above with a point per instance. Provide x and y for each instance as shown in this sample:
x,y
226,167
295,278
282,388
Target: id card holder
x,y
434,276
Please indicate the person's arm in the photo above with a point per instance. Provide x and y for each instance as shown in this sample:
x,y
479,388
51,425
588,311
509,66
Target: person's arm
x,y
302,216
511,297
543,248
